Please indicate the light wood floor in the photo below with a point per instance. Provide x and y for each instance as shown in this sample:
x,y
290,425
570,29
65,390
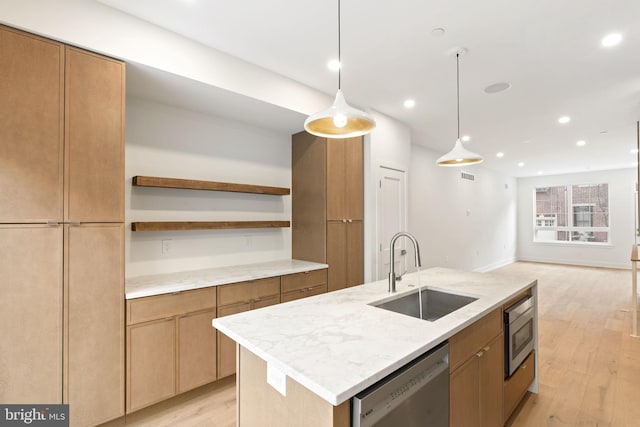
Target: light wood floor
x,y
589,365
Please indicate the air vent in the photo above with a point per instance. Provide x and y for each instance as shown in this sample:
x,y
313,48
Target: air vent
x,y
467,176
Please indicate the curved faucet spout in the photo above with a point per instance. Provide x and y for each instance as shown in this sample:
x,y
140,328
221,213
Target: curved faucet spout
x,y
392,273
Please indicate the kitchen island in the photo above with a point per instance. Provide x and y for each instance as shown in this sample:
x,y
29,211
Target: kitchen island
x,y
319,352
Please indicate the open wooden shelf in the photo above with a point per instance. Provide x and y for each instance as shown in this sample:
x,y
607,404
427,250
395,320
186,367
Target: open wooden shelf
x,y
205,225
192,184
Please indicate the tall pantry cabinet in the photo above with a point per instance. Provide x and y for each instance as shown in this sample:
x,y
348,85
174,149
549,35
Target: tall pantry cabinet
x,y
61,227
328,206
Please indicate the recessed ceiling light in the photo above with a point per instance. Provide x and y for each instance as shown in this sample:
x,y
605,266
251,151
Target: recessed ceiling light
x,y
521,164
539,172
437,32
500,154
611,39
466,138
334,65
634,151
497,87
409,103
581,143
564,119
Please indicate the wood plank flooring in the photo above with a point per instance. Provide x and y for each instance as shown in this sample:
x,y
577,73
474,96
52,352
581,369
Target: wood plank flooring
x,y
589,365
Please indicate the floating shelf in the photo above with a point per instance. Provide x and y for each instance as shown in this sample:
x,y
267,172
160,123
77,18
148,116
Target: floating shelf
x,y
205,225
192,184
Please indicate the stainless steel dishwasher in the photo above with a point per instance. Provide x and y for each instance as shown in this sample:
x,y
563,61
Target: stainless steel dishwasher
x,y
415,395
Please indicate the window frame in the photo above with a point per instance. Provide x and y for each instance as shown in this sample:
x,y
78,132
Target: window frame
x,y
570,228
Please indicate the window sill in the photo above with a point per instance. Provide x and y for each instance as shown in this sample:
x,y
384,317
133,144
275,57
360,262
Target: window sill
x,y
574,244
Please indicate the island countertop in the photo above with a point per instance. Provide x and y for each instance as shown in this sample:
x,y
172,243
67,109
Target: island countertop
x,y
337,345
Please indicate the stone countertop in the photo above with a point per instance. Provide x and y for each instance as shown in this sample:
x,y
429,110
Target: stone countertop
x,y
144,286
336,345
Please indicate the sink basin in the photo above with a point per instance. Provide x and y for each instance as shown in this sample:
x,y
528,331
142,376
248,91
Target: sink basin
x,y
435,304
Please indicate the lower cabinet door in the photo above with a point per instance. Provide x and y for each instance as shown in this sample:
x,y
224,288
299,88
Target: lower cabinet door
x,y
355,253
151,366
31,314
196,350
94,339
491,383
464,405
337,255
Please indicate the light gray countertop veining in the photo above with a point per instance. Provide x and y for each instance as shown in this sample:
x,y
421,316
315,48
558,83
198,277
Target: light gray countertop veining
x,y
144,286
336,345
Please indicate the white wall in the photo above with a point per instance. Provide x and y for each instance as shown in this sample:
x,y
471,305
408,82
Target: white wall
x,y
102,29
388,145
170,142
460,224
621,206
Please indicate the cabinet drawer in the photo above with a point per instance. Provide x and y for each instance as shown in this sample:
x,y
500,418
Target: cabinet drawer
x,y
167,305
246,291
516,386
303,293
308,279
474,337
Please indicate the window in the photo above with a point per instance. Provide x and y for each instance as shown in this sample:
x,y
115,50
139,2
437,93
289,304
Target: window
x,y
572,213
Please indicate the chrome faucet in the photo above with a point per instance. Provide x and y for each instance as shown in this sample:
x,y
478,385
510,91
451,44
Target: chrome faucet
x,y
392,272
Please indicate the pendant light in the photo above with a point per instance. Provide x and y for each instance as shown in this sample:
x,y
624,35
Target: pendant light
x,y
459,156
340,120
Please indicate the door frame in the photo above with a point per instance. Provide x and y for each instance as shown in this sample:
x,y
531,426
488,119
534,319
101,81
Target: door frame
x,y
379,174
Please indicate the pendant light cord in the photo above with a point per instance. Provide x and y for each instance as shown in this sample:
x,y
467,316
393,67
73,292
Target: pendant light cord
x,y
457,88
339,58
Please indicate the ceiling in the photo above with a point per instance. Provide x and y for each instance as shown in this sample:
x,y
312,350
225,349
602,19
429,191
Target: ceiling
x,y
548,50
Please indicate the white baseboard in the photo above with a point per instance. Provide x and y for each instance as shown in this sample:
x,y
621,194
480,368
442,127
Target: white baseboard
x,y
495,265
618,265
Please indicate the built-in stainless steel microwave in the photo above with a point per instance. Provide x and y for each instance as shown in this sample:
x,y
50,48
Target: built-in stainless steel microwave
x,y
519,335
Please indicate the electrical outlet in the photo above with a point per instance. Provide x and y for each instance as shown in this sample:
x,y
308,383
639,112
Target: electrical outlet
x,y
166,246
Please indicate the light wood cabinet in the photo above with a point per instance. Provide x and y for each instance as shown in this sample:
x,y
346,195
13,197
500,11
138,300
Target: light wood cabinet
x,y
303,285
31,127
94,136
327,206
31,314
171,345
62,132
196,350
237,298
94,315
477,364
151,362
515,387
345,185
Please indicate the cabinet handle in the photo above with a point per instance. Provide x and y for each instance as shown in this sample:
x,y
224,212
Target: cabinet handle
x,y
480,353
176,293
524,366
344,221
487,348
349,221
310,288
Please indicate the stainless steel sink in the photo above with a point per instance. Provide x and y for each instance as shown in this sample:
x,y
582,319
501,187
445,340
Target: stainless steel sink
x,y
435,304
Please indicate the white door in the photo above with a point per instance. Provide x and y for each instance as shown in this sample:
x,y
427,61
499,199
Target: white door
x,y
391,208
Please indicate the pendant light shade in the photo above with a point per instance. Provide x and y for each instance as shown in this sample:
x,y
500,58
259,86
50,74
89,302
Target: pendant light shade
x,y
459,156
341,120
